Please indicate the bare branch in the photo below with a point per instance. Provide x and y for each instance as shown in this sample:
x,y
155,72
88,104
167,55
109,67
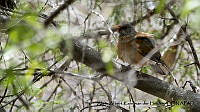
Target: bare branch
x,y
57,11
187,38
145,82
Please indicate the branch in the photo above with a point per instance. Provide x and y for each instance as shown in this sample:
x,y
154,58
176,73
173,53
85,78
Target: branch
x,y
135,22
113,29
145,82
187,38
148,15
57,11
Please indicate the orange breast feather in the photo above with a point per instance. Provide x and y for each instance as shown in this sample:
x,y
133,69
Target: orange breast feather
x,y
127,52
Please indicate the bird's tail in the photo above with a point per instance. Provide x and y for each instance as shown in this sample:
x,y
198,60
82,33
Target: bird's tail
x,y
161,68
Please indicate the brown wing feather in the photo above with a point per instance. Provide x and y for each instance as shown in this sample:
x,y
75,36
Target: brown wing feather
x,y
145,45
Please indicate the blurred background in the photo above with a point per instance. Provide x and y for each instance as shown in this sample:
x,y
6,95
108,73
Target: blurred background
x,y
28,51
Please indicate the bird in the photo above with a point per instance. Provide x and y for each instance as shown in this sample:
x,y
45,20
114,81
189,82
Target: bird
x,y
133,46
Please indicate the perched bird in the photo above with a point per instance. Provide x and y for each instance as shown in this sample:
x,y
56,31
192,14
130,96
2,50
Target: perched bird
x,y
133,46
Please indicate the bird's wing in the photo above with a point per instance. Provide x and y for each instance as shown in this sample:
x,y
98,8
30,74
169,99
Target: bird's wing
x,y
144,45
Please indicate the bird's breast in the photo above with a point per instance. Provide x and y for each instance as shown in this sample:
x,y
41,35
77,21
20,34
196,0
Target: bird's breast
x,y
127,52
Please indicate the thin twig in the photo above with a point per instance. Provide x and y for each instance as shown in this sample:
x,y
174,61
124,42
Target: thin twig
x,y
51,95
4,94
194,88
83,96
129,92
187,38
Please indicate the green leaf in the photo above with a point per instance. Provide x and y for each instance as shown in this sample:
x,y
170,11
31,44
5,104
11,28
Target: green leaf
x,y
177,108
32,19
109,68
102,44
10,76
35,91
189,6
21,32
107,54
36,49
160,6
145,69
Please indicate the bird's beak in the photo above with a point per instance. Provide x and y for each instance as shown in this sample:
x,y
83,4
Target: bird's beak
x,y
116,28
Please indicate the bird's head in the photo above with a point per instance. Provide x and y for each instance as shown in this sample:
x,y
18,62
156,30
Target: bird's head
x,y
125,29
